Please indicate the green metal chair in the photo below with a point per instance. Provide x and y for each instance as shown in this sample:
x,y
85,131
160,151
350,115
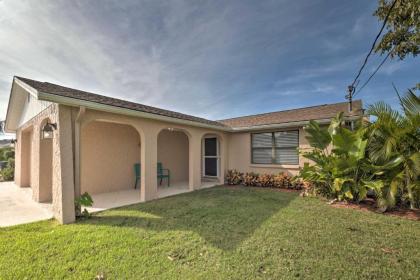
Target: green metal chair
x,y
163,173
137,173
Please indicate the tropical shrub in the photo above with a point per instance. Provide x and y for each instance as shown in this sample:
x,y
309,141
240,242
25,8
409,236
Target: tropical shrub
x,y
234,177
265,181
340,168
250,179
307,188
84,200
382,157
283,180
7,153
394,145
7,173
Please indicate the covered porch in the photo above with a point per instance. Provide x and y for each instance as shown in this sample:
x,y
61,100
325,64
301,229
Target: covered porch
x,y
113,155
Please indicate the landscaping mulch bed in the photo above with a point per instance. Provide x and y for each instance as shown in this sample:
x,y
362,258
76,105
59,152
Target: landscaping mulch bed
x,y
366,205
369,205
263,188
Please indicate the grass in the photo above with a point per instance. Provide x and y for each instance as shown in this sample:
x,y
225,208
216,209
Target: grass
x,y
218,233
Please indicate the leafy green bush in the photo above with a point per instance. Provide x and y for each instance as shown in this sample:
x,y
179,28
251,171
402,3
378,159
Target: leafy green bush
x,y
340,168
6,153
382,156
84,200
394,144
8,172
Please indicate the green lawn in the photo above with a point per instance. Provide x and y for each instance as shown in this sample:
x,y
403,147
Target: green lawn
x,y
218,233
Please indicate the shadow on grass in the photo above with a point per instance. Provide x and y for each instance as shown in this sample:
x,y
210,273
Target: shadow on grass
x,y
223,216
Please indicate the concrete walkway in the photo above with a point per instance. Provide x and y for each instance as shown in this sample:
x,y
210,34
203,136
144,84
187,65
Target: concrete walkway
x,y
17,206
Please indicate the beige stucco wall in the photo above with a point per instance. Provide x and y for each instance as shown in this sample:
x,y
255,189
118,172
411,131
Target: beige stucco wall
x,y
239,154
108,153
173,154
109,145
23,157
149,130
46,170
47,165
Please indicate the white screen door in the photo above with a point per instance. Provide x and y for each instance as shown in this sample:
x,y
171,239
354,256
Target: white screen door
x,y
211,157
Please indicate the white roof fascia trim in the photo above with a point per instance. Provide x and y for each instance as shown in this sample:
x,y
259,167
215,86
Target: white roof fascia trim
x,y
286,125
27,87
118,110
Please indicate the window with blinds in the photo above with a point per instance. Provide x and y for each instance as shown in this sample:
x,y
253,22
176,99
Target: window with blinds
x,y
278,147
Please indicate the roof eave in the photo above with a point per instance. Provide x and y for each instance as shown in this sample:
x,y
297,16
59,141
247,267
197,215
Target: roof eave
x,y
124,111
288,124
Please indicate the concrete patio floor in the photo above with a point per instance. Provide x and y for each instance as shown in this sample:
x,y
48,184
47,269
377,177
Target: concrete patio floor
x,y
17,206
104,201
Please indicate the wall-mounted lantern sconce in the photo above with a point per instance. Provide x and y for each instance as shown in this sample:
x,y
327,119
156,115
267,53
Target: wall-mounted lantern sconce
x,y
48,130
13,143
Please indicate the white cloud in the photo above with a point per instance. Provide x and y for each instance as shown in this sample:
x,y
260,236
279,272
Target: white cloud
x,y
211,59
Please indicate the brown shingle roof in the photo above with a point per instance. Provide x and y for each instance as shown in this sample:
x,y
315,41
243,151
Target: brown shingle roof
x,y
92,97
326,111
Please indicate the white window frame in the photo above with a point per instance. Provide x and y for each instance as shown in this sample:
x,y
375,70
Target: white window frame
x,y
217,156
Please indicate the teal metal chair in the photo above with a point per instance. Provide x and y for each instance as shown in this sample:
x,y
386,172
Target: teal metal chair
x,y
163,173
137,173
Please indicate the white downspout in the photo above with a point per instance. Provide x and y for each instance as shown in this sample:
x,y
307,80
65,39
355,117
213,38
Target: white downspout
x,y
80,114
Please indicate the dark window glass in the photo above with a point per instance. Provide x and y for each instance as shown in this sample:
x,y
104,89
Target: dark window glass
x,y
211,166
210,147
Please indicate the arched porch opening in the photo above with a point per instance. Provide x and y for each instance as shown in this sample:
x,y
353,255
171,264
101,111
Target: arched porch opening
x,y
173,159
26,157
108,154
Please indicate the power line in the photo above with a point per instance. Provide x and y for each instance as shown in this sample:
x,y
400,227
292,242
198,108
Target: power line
x,y
351,88
373,74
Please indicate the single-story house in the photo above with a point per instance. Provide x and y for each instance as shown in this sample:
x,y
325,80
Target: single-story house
x,y
71,141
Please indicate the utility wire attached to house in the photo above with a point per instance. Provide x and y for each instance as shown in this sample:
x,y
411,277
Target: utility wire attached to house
x,y
373,74
352,87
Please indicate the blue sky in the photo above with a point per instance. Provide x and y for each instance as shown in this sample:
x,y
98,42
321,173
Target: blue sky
x,y
214,59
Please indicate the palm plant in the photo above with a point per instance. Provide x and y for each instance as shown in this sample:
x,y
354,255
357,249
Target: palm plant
x,y
394,144
340,168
